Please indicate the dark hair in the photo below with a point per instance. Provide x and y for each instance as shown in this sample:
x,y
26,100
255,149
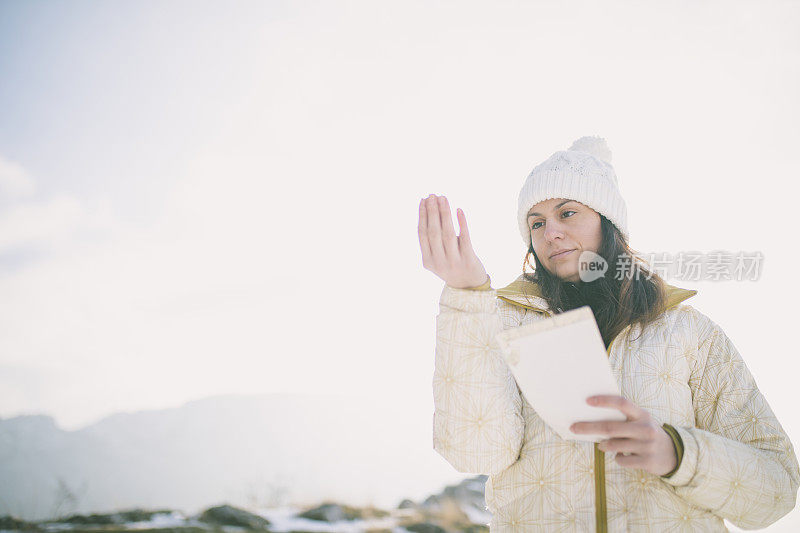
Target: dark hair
x,y
627,293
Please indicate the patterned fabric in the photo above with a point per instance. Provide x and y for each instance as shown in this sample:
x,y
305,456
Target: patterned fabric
x,y
737,464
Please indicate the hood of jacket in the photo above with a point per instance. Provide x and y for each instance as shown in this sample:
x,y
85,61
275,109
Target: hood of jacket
x,y
525,293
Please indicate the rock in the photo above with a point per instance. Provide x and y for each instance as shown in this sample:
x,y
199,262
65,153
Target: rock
x,y
8,522
468,491
476,529
226,515
425,527
140,515
120,517
92,519
117,529
368,513
407,504
331,512
432,502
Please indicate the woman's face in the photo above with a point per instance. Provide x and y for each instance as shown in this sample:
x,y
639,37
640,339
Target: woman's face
x,y
560,224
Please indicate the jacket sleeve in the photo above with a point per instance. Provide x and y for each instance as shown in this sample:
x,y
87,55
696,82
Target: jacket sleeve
x,y
477,421
738,462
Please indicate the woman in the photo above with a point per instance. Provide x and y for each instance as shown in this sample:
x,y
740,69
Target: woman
x,y
699,444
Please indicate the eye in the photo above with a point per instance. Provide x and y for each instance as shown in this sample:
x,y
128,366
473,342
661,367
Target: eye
x,y
534,226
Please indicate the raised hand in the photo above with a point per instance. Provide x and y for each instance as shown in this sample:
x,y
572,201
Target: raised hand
x,y
449,257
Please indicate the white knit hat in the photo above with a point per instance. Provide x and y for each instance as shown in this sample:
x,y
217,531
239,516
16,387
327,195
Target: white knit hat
x,y
582,173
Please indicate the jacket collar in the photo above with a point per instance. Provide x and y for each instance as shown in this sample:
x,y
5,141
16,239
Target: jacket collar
x,y
524,293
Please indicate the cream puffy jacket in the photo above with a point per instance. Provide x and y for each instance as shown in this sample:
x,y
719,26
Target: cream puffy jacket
x,y
737,461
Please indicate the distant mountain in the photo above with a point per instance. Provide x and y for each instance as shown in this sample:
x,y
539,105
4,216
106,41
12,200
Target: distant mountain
x,y
247,450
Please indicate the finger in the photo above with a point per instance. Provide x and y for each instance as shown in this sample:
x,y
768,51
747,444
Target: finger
x,y
464,242
622,446
422,230
629,461
434,229
448,232
628,408
614,429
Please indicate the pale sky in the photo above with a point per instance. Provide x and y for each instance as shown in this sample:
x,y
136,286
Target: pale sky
x,y
201,198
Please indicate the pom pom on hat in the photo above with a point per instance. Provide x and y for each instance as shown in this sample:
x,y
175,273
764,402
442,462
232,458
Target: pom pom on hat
x,y
593,145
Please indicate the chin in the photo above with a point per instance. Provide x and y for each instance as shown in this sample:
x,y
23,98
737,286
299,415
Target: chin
x,y
565,279
565,273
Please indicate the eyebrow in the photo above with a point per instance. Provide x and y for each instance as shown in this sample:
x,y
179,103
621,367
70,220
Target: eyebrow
x,y
559,205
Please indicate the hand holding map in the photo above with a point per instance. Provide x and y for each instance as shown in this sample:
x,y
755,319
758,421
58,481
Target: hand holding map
x,y
558,362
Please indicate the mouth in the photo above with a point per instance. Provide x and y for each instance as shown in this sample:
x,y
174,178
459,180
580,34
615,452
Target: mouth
x,y
564,253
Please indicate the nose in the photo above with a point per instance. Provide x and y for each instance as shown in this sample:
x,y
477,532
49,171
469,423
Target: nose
x,y
552,231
